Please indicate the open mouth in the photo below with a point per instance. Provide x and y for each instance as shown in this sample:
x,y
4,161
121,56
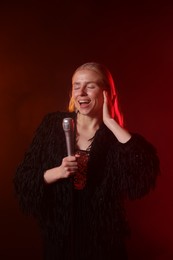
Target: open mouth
x,y
84,102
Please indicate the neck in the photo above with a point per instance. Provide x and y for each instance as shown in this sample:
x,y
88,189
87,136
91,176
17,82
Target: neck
x,y
86,128
87,122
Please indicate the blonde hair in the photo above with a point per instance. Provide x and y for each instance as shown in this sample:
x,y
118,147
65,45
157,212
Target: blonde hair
x,y
108,84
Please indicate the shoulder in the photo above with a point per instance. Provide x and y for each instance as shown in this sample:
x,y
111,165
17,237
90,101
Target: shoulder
x,y
52,121
57,116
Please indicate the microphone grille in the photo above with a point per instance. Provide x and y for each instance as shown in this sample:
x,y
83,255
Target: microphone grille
x,y
68,124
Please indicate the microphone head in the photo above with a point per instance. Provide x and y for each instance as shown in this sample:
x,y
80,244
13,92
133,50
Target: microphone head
x,y
68,124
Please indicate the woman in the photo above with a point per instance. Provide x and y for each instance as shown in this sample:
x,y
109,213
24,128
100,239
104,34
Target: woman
x,y
78,199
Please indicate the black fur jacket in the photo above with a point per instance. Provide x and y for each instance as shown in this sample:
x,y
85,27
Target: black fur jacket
x,y
87,224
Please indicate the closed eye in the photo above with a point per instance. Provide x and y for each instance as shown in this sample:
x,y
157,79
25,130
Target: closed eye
x,y
91,86
76,88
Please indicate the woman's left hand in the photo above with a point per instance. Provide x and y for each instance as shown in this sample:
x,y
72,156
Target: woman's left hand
x,y
120,133
107,113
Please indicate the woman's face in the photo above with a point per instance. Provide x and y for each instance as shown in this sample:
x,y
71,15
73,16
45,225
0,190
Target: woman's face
x,y
87,92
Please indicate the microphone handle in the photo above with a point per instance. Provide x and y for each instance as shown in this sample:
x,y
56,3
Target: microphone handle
x,y
69,143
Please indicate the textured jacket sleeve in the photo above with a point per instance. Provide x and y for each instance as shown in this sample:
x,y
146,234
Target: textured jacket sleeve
x,y
28,181
137,166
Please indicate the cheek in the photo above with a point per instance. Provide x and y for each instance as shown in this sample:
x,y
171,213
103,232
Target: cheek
x,y
97,95
74,95
101,99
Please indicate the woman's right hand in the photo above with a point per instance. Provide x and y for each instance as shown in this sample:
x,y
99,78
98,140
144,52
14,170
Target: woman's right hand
x,y
67,168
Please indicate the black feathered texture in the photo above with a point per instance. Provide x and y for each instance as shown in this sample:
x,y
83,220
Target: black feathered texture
x,y
87,224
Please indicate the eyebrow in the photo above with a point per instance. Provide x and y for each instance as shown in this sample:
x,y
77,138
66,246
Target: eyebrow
x,y
86,82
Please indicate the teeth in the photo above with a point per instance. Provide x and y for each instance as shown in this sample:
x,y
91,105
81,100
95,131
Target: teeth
x,y
84,101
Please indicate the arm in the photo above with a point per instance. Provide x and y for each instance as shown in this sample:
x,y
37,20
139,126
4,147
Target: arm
x,y
132,157
138,165
43,153
67,168
28,179
120,133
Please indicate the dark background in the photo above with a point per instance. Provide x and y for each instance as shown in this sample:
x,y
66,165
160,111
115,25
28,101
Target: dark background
x,y
41,43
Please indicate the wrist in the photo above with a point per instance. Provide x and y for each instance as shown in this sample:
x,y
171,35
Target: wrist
x,y
52,175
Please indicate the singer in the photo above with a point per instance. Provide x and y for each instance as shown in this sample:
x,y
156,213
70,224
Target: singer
x,y
78,198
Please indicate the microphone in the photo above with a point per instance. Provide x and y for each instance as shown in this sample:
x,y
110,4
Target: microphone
x,y
68,126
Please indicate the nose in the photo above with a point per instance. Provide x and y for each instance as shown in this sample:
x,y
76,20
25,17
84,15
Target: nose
x,y
83,91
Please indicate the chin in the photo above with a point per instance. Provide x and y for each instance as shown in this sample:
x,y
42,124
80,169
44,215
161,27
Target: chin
x,y
85,113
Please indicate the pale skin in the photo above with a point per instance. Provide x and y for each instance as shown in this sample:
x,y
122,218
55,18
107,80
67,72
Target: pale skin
x,y
92,103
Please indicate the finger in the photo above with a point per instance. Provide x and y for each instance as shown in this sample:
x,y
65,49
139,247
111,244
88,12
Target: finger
x,y
77,155
71,158
68,159
70,171
104,94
